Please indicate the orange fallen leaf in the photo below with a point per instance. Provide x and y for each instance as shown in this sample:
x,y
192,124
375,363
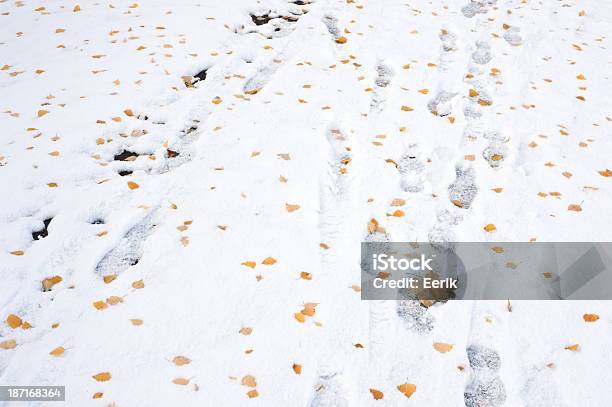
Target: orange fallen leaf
x,y
100,305
8,344
57,351
136,321
132,185
268,261
181,360
245,330
490,228
102,377
377,394
181,381
299,316
407,389
306,276
292,207
49,282
249,263
249,381
590,317
297,368
252,393
573,348
341,40
13,321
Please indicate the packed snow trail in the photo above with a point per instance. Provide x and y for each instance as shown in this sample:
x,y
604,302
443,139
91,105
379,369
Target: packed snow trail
x,y
188,185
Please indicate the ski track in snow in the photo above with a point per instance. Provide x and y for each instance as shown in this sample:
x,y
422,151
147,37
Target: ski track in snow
x,y
158,155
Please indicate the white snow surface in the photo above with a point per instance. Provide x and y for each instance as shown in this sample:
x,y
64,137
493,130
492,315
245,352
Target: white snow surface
x,y
292,114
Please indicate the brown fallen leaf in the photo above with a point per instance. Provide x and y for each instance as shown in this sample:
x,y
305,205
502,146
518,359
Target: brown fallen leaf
x,y
138,284
17,253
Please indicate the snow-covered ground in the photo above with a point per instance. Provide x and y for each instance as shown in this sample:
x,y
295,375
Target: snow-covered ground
x,y
174,240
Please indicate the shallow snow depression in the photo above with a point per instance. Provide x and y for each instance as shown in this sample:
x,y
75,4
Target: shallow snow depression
x,y
186,186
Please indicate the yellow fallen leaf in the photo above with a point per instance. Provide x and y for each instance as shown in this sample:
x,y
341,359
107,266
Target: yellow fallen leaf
x,y
100,305
41,113
299,316
490,228
57,351
407,109
407,389
442,347
249,263
377,394
13,321
102,377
